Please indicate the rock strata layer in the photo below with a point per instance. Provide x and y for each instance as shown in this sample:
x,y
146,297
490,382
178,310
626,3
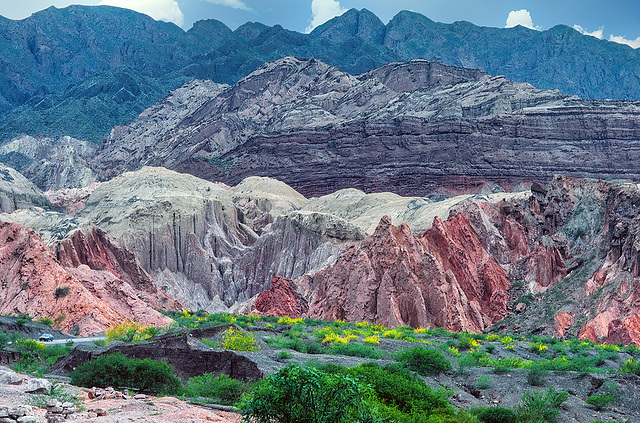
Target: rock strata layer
x,y
79,299
410,128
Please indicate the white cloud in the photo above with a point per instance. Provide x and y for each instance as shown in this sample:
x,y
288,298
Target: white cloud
x,y
622,40
322,11
236,4
520,17
597,33
162,10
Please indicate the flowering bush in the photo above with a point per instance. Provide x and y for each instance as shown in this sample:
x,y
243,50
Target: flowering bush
x,y
237,340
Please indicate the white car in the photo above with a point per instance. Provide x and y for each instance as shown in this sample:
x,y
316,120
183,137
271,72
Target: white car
x,y
46,337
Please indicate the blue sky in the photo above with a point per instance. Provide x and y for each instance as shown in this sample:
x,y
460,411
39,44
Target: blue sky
x,y
616,20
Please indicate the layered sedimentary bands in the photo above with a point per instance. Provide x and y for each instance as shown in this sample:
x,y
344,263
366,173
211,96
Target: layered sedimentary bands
x,y
117,62
312,192
558,259
80,299
410,128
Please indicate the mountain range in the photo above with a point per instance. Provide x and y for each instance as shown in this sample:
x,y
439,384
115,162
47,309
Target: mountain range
x,y
80,71
558,259
411,128
235,177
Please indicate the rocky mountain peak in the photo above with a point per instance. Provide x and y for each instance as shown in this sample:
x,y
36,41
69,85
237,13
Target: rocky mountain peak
x,y
422,74
362,24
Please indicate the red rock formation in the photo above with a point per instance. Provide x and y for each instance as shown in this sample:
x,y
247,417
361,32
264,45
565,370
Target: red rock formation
x,y
563,321
545,268
71,200
457,247
394,278
30,276
97,250
32,281
281,299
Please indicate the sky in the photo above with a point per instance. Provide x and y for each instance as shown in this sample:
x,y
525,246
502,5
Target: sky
x,y
614,20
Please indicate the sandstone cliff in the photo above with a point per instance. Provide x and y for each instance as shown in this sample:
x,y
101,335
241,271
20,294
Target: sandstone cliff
x,y
78,299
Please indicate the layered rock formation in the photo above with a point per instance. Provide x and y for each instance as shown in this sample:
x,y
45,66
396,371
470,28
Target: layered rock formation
x,y
616,283
395,279
282,299
70,200
409,128
559,259
188,355
118,62
16,192
51,164
35,283
79,299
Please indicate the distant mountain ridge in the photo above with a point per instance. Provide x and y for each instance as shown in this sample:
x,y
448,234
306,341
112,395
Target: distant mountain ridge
x,y
50,59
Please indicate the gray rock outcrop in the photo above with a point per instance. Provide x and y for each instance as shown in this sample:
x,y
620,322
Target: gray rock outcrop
x,y
16,192
409,128
49,163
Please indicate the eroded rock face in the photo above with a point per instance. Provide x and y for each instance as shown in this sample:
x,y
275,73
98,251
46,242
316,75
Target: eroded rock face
x,y
82,300
616,282
189,357
49,163
70,200
409,128
16,192
394,278
200,241
281,299
31,275
97,251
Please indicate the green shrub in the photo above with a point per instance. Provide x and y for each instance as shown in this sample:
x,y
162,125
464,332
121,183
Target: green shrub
x,y
355,350
600,402
400,389
536,376
221,389
237,340
425,361
284,355
23,318
542,407
466,342
4,339
490,348
45,321
31,363
131,331
119,371
484,382
51,353
30,345
500,366
497,415
305,347
631,366
297,394
62,291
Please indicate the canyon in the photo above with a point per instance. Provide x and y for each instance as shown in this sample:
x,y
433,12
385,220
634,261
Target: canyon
x,y
555,259
414,193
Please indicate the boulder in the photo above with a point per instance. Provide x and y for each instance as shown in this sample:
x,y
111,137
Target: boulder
x,y
38,386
